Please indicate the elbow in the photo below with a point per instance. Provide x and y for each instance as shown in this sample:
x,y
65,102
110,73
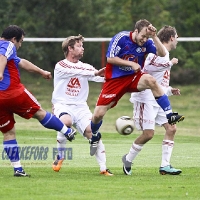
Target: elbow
x,y
109,60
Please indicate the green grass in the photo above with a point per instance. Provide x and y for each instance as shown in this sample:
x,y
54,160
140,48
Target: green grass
x,y
80,178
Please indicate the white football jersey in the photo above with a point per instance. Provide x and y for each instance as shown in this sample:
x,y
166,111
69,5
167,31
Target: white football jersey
x,y
71,82
159,68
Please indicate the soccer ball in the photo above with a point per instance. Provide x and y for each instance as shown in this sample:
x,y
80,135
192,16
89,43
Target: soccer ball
x,y
124,125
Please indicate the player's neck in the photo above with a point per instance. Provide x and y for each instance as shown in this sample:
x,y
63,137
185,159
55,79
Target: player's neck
x,y
167,46
72,59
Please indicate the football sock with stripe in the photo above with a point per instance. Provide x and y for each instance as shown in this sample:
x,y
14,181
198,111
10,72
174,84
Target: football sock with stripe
x,y
164,103
12,150
52,122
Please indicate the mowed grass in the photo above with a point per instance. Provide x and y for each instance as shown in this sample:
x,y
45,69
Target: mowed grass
x,y
80,178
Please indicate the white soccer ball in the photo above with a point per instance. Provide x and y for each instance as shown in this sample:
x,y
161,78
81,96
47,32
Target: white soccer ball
x,y
124,125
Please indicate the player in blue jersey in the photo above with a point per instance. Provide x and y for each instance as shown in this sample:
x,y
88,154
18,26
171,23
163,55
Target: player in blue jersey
x,y
125,58
16,99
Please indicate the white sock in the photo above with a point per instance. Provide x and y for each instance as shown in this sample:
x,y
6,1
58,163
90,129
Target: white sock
x,y
134,150
167,147
16,164
101,156
61,145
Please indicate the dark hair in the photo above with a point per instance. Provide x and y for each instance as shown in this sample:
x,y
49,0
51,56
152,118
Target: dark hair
x,y
13,31
139,25
165,33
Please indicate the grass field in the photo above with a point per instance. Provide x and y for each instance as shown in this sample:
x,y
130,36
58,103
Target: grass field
x,y
80,178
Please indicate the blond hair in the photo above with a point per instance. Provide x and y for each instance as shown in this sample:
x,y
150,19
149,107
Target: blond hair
x,y
70,41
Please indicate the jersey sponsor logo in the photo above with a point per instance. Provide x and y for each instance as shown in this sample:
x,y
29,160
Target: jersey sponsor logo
x,y
167,75
3,125
74,83
73,87
126,68
108,96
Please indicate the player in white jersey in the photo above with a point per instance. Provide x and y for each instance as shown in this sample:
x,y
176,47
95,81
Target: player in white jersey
x,y
147,113
69,100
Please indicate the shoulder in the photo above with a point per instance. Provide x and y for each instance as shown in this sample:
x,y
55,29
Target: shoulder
x,y
149,42
8,49
86,65
6,44
121,35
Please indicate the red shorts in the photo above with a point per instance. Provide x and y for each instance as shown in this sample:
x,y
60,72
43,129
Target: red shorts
x,y
25,105
114,89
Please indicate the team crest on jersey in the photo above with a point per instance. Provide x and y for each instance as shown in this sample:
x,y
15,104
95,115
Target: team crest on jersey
x,y
139,49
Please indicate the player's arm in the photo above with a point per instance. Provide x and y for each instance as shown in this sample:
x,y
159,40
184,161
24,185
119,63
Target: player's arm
x,y
83,70
151,31
120,62
160,51
30,67
3,62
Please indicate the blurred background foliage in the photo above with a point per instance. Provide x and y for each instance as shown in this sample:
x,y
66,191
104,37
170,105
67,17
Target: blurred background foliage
x,y
103,18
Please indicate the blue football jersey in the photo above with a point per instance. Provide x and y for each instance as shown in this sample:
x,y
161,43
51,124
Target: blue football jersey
x,y
11,75
122,46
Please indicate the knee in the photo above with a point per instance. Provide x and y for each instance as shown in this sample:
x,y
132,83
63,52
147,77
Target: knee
x,y
98,114
148,134
88,134
40,114
171,130
150,81
10,135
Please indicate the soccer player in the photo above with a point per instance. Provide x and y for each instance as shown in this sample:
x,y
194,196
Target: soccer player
x,y
147,112
70,96
16,99
125,57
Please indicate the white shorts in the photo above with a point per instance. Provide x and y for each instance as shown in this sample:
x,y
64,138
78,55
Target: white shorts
x,y
80,114
146,116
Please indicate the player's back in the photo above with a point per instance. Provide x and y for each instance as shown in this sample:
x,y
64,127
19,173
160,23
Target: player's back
x,y
10,86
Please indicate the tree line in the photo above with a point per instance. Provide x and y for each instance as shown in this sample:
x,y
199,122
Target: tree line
x,y
103,18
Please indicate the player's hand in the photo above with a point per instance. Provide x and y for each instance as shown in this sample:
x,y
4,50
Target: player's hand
x,y
175,91
46,74
174,61
151,30
136,67
100,72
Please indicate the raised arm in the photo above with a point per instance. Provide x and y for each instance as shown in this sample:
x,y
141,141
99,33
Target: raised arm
x,y
151,30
